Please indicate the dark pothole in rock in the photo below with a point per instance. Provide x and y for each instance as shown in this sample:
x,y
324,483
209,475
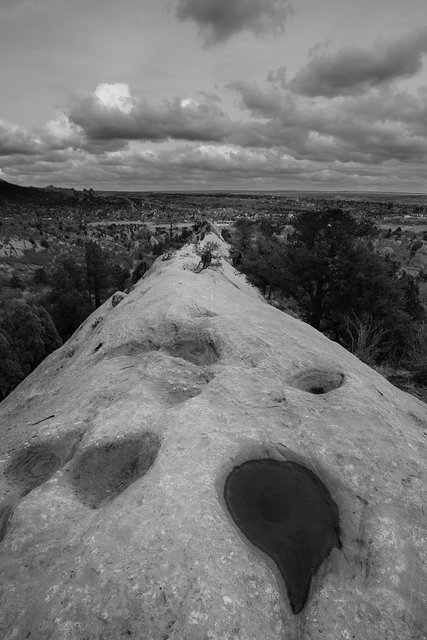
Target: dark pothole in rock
x,y
6,512
105,470
284,509
198,351
318,381
35,463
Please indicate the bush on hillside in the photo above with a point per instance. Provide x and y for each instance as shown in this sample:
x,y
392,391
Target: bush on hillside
x,y
209,256
27,336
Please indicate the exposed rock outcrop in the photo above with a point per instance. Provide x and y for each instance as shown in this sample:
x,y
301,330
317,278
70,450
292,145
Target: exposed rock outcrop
x,y
117,450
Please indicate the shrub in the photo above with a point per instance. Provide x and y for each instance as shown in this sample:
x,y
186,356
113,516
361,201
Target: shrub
x,y
367,338
96,322
208,256
40,276
139,271
415,359
16,281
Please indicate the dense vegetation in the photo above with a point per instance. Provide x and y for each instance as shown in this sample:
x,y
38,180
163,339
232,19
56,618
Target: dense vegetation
x,y
324,269
27,336
37,316
77,287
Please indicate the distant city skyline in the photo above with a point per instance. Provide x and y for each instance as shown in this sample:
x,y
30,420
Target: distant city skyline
x,y
263,95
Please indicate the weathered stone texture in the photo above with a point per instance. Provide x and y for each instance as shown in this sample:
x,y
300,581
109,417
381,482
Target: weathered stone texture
x,y
115,451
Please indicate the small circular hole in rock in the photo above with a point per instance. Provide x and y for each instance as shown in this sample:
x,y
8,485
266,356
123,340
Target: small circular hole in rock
x,y
318,381
316,390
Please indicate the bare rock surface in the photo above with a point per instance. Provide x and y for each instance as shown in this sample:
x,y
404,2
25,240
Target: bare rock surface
x,y
115,452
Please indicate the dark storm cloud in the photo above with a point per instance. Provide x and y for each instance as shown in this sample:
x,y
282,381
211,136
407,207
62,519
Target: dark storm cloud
x,y
218,20
178,119
351,71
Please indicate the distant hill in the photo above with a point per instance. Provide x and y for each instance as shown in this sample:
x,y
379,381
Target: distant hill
x,y
51,195
14,192
54,189
15,198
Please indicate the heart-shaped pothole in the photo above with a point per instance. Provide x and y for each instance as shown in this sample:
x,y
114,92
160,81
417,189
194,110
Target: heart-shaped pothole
x,y
285,510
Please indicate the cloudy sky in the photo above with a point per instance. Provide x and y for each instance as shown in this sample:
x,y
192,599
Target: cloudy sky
x,y
214,94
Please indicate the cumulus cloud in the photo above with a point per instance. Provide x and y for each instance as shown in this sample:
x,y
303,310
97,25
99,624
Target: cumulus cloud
x,y
351,71
111,113
195,165
16,140
218,20
263,103
60,133
373,128
278,139
116,96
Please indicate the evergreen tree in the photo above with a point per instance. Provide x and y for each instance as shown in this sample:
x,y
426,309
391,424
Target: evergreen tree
x,y
139,271
97,271
330,268
11,372
68,302
27,336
